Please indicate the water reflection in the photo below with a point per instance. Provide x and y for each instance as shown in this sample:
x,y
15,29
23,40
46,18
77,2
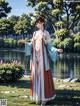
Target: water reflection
x,y
67,66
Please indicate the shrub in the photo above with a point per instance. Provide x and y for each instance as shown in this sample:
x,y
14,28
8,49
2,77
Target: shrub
x,y
12,43
21,43
9,42
10,72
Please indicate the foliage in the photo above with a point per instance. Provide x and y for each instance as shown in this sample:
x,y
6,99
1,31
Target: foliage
x,y
76,38
61,32
13,19
23,25
4,8
21,42
66,43
5,27
10,71
56,12
12,43
60,23
62,19
9,43
16,25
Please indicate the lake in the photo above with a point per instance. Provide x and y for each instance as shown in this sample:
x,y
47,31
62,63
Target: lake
x,y
67,65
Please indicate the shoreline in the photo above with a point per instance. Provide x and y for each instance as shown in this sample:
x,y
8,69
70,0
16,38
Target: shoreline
x,y
23,50
59,79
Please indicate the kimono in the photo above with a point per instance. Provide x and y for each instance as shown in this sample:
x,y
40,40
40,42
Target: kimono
x,y
41,80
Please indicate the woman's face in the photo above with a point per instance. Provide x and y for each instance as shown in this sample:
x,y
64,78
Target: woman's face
x,y
39,25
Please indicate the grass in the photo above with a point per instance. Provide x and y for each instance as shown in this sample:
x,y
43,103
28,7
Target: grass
x,y
17,93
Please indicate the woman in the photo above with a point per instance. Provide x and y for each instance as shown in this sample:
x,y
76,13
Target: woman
x,y
41,83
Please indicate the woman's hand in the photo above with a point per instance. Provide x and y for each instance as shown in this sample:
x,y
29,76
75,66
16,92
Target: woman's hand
x,y
60,50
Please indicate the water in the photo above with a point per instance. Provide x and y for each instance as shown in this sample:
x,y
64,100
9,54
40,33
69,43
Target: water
x,y
67,66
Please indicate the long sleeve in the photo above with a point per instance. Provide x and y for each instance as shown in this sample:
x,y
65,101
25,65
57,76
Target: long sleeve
x,y
48,40
51,49
28,48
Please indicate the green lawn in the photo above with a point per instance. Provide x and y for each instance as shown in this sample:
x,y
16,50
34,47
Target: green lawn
x,y
17,93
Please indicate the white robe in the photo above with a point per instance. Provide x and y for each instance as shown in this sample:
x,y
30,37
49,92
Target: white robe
x,y
42,85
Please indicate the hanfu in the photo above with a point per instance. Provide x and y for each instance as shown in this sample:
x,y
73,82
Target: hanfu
x,y
41,79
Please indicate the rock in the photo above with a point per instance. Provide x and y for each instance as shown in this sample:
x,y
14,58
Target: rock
x,y
74,80
67,80
54,78
24,96
26,76
61,86
7,92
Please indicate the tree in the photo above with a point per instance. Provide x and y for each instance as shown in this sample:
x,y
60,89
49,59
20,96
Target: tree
x,y
4,8
5,27
63,17
13,20
57,10
23,25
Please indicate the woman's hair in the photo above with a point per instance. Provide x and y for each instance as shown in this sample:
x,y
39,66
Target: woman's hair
x,y
40,19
